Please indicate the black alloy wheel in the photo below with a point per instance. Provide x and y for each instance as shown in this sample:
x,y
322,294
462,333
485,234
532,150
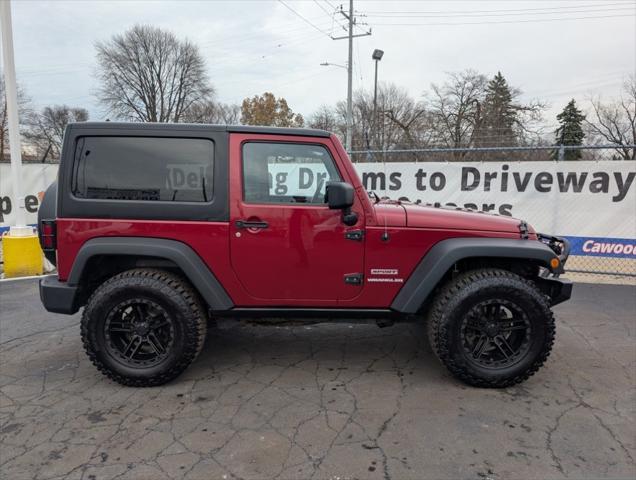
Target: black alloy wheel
x,y
139,332
496,333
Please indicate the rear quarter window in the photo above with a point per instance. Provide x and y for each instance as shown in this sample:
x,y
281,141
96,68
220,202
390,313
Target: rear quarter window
x,y
152,169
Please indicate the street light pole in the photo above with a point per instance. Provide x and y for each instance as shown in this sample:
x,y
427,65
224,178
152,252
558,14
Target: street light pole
x,y
11,91
375,88
376,56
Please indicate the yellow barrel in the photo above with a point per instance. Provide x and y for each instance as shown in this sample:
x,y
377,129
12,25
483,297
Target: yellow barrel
x,y
22,256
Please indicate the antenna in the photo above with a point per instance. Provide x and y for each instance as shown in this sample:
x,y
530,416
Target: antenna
x,y
385,235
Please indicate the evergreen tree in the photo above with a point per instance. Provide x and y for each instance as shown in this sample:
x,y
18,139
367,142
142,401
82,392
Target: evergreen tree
x,y
499,114
570,131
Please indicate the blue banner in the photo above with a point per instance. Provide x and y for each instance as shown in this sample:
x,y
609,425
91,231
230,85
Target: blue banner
x,y
603,247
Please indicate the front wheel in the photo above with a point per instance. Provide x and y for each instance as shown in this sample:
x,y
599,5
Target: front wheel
x,y
491,328
143,327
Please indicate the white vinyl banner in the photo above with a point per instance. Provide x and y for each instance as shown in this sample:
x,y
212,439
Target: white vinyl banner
x,y
562,198
35,180
593,203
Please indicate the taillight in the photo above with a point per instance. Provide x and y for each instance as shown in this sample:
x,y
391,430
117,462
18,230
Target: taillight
x,y
48,234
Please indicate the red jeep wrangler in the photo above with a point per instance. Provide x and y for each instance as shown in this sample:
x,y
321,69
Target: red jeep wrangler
x,y
155,228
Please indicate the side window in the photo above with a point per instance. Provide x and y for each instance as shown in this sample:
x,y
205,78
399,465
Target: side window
x,y
144,168
286,172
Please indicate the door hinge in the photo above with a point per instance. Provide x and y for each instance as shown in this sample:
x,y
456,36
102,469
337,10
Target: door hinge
x,y
353,279
356,235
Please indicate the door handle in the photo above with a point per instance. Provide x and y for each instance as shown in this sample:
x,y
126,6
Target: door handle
x,y
246,224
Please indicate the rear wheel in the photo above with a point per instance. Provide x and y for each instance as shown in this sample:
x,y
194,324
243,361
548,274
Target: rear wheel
x,y
143,327
491,328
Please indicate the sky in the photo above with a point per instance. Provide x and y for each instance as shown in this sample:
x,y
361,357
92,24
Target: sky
x,y
551,50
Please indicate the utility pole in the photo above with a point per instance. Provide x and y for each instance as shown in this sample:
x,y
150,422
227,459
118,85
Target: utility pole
x,y
350,36
350,81
11,91
20,248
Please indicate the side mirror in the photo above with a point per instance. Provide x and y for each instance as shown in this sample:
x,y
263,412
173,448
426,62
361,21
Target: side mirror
x,y
339,195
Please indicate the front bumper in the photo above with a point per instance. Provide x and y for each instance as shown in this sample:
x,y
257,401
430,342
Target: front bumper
x,y
58,297
561,248
558,289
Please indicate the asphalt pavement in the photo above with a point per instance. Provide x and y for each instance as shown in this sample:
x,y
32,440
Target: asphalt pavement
x,y
323,401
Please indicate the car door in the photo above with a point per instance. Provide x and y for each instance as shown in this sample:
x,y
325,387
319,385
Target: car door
x,y
287,247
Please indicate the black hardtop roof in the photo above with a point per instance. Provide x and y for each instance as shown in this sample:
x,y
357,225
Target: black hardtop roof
x,y
306,132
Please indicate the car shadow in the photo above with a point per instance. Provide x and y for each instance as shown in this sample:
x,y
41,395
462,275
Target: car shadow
x,y
401,349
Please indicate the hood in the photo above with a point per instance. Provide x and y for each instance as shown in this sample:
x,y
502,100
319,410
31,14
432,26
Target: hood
x,y
419,216
458,219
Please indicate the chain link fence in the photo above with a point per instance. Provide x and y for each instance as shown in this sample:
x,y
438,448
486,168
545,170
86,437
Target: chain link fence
x,y
592,256
545,153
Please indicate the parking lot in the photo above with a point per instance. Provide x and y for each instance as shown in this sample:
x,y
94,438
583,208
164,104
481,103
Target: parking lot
x,y
319,401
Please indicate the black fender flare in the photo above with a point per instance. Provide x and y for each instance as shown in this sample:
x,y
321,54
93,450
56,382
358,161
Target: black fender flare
x,y
443,255
193,267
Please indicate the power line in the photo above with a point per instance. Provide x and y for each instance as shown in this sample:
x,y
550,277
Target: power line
x,y
573,91
323,8
272,80
538,20
255,37
598,82
228,63
295,33
481,15
359,68
219,60
303,18
334,20
331,4
578,6
268,46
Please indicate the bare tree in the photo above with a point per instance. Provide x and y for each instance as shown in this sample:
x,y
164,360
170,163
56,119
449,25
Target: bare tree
x,y
147,74
212,112
411,120
469,111
47,128
324,118
615,122
400,121
23,113
455,108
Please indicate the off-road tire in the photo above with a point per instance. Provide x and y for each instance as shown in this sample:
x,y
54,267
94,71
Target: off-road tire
x,y
169,290
455,299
